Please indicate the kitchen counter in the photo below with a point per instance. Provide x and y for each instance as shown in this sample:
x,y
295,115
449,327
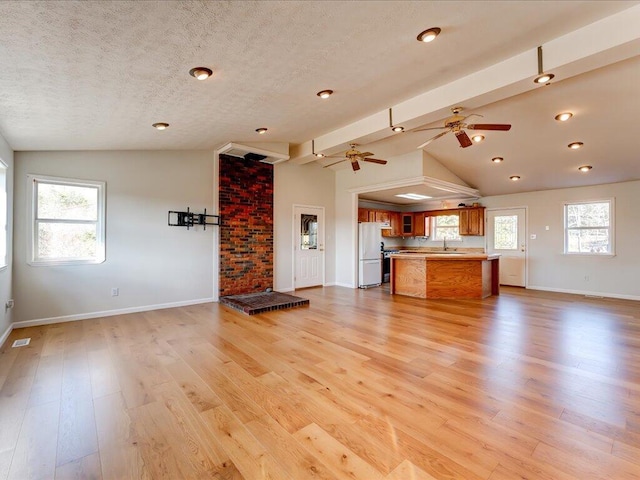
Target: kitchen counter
x,y
445,274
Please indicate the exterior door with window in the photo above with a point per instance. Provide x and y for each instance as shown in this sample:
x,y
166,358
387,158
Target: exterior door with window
x,y
308,246
506,235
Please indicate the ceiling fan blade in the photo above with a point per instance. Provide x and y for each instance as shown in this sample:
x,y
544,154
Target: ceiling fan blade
x,y
464,139
430,128
375,160
334,163
355,165
489,126
365,154
432,139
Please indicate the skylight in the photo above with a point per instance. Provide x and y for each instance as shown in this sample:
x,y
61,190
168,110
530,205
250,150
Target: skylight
x,y
413,196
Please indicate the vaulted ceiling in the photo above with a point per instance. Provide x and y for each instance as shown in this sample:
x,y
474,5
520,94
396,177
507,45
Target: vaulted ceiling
x,y
96,75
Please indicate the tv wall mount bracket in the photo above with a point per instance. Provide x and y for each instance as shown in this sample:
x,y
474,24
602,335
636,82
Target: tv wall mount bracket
x,y
189,219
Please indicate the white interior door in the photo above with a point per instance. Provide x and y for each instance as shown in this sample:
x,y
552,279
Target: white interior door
x,y
506,235
308,238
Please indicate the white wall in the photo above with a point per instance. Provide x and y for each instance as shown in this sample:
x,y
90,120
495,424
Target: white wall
x,y
550,269
6,154
310,185
151,263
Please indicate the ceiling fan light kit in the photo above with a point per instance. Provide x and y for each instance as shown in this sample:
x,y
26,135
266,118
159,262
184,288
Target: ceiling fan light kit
x,y
353,156
429,35
457,125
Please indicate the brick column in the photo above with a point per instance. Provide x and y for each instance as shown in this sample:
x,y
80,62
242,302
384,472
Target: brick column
x,y
246,233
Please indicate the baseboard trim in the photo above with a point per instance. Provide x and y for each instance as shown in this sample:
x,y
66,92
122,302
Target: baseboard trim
x,y
584,293
107,313
6,334
346,285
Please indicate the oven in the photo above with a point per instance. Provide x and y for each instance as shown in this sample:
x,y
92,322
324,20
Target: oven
x,y
386,265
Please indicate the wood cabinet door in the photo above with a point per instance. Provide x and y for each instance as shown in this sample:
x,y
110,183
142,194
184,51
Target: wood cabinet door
x,y
363,215
418,224
407,224
472,221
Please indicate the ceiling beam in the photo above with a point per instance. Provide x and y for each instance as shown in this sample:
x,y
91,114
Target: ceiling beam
x,y
597,45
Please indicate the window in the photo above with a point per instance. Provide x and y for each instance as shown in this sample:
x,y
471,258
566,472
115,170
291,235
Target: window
x,y
67,221
588,228
3,214
505,232
446,227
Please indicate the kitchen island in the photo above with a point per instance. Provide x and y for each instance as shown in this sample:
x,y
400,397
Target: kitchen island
x,y
445,275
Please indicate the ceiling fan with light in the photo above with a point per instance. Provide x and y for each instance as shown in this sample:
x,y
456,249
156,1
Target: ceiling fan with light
x,y
353,156
457,125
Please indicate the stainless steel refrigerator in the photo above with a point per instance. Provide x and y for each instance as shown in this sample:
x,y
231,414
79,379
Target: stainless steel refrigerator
x,y
369,254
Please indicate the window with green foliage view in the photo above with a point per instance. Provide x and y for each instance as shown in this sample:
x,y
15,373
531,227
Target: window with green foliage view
x,y
589,228
67,224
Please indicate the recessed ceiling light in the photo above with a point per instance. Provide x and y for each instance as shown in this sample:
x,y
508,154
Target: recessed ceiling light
x,y
514,178
261,130
201,73
544,78
319,155
325,93
413,196
497,159
160,126
575,145
585,168
563,117
429,35
397,129
477,138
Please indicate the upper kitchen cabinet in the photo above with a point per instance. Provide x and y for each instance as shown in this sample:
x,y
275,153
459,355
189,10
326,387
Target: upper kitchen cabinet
x,y
472,221
363,215
421,225
395,221
407,225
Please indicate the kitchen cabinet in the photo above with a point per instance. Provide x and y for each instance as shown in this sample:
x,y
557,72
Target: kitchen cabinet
x,y
363,215
471,221
380,216
421,224
395,220
407,224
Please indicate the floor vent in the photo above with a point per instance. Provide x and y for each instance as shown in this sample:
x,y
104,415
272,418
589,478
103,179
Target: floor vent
x,y
23,342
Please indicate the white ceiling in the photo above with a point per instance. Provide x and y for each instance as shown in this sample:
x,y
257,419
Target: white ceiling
x,y
96,75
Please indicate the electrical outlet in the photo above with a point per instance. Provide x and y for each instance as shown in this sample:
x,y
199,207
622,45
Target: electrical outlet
x,y
10,303
115,291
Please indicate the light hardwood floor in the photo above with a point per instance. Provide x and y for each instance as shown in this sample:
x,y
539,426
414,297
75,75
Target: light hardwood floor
x,y
359,385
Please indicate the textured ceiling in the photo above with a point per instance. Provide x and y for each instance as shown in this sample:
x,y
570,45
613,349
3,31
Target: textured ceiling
x,y
96,75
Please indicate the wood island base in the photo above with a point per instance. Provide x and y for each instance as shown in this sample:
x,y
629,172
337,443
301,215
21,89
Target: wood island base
x,y
445,275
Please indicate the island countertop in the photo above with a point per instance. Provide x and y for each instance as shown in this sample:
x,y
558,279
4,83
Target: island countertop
x,y
447,256
445,275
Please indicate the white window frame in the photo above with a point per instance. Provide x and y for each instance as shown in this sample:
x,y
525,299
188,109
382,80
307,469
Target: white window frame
x,y
32,203
4,216
611,228
435,229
